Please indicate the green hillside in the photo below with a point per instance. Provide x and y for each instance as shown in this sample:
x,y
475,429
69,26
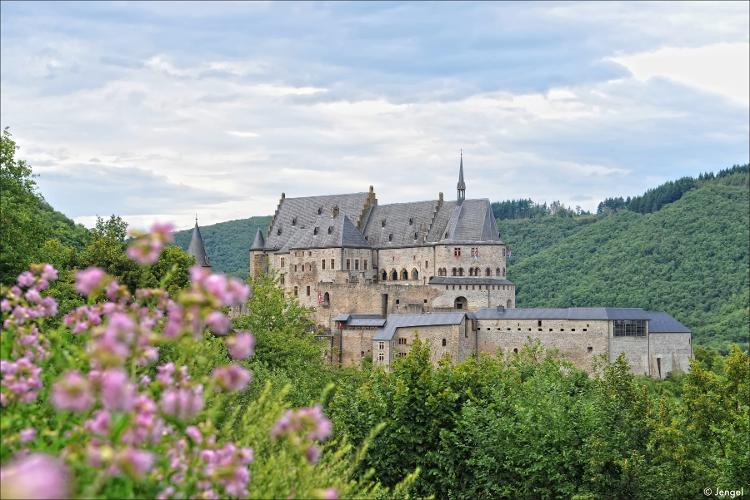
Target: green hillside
x,y
228,243
690,259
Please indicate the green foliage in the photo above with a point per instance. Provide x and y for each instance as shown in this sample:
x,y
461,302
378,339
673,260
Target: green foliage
x,y
527,209
227,243
690,259
26,220
171,271
530,425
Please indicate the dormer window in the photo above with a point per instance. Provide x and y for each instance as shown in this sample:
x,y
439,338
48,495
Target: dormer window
x,y
315,231
411,221
416,236
382,223
335,211
320,210
278,231
390,237
330,229
294,221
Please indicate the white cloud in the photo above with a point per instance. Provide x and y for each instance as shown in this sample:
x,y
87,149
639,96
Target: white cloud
x,y
243,135
722,68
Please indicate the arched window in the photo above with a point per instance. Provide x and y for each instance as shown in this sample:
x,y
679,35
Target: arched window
x,y
384,275
460,303
390,237
394,275
414,274
326,299
296,291
488,272
453,271
460,271
320,210
471,271
497,272
404,274
510,304
503,252
503,272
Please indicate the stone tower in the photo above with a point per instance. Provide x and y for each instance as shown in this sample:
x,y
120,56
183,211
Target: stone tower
x,y
461,186
258,258
197,249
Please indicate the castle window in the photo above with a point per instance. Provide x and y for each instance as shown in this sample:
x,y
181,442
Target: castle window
x,y
323,264
335,211
361,354
282,262
384,276
471,271
309,254
348,264
539,323
380,357
295,268
585,329
315,231
394,275
411,221
356,264
382,223
278,231
460,271
320,210
333,262
326,299
515,350
404,275
457,252
488,272
497,272
296,292
445,342
426,263
630,328
402,341
381,345
572,329
390,237
308,290
503,272
416,236
294,221
414,274
309,266
398,301
590,349
281,279
425,301
503,251
330,229
364,264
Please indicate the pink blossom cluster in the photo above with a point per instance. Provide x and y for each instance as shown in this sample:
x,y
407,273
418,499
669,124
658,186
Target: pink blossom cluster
x,y
304,426
145,248
219,471
34,476
180,398
22,306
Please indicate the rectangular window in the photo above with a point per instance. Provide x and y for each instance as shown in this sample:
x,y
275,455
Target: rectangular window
x,y
630,328
364,264
348,264
457,252
282,262
296,292
308,290
381,357
381,345
295,268
356,264
402,341
332,265
323,264
281,279
539,323
426,264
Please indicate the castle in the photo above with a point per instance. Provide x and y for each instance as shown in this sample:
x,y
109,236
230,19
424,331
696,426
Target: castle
x,y
376,276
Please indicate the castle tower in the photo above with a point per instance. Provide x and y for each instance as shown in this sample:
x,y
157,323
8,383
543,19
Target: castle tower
x,y
258,258
197,249
461,186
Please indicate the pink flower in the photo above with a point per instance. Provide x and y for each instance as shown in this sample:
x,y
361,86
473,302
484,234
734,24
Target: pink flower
x,y
89,280
184,403
26,435
99,423
34,476
49,273
165,373
218,323
241,345
330,494
72,392
304,420
25,279
313,454
135,463
231,378
145,248
118,393
194,434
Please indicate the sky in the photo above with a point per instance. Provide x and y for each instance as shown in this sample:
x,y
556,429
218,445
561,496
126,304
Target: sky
x,y
161,111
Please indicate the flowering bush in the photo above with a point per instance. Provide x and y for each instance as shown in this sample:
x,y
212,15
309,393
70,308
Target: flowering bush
x,y
134,395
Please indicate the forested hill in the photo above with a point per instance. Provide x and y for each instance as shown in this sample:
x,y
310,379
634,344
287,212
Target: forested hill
x,y
689,258
228,243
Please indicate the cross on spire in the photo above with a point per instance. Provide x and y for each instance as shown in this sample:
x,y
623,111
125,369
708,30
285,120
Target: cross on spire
x,y
461,186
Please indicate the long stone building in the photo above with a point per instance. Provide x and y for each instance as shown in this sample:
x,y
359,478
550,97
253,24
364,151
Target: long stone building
x,y
377,275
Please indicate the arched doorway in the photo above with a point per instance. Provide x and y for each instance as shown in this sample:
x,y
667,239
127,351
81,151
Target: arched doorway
x,y
460,303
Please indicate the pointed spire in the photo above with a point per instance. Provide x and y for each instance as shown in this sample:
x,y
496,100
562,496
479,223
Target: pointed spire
x,y
461,186
259,242
196,247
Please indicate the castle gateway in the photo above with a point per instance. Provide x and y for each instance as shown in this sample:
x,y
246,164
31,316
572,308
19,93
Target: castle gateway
x,y
430,266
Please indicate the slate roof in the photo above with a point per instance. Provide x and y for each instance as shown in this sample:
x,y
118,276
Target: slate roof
x,y
471,221
197,249
327,232
401,221
470,280
395,321
361,319
296,215
659,322
259,242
